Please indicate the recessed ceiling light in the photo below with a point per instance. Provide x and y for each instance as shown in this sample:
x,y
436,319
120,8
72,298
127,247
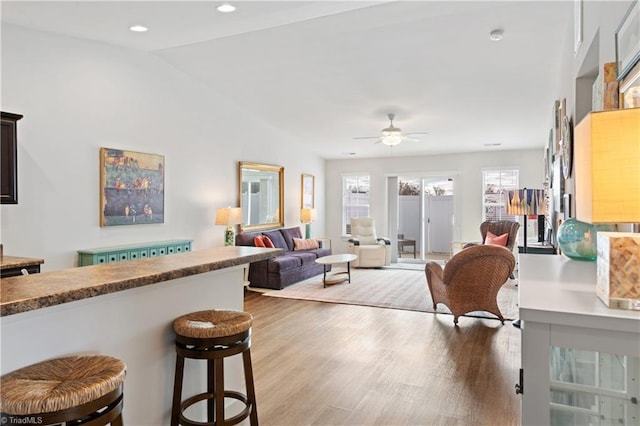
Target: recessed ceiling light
x,y
496,35
226,8
138,28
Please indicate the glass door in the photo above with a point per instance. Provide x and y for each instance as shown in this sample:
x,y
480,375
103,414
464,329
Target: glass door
x,y
593,388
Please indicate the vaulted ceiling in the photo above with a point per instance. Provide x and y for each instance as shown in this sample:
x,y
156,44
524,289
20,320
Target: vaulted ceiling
x,y
326,72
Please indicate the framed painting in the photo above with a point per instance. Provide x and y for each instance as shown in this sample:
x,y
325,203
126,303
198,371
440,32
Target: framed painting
x,y
131,187
630,88
628,40
308,191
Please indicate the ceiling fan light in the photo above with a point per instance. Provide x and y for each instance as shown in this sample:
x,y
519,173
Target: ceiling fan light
x,y
391,131
391,140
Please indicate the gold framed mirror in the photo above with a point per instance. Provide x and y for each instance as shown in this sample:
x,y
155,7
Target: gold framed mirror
x,y
261,196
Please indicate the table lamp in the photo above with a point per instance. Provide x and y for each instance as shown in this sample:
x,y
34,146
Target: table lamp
x,y
229,216
526,202
307,216
607,186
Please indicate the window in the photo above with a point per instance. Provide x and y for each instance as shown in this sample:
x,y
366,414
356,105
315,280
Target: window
x,y
495,184
355,199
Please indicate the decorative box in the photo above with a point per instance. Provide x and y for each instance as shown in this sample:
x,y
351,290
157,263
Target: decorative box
x,y
618,270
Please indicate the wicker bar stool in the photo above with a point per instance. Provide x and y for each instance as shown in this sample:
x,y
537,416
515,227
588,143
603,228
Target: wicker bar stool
x,y
75,390
214,335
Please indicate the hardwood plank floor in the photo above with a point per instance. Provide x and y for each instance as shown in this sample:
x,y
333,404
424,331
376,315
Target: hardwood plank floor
x,y
328,364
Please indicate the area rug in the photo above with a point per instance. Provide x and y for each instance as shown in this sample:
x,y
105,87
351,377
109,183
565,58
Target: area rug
x,y
388,288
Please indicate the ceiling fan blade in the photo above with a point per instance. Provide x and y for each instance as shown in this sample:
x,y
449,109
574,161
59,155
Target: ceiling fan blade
x,y
367,137
405,139
416,133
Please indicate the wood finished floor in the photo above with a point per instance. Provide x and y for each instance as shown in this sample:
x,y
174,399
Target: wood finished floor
x,y
327,364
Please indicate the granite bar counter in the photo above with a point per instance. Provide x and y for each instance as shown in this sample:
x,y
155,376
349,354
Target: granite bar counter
x,y
25,293
11,266
125,310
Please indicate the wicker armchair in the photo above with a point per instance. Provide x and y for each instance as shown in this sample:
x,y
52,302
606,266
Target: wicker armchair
x,y
498,228
471,280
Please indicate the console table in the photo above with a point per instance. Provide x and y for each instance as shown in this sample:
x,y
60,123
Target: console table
x,y
580,359
132,252
538,248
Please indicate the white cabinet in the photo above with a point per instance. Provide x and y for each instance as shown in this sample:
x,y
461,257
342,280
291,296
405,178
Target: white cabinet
x,y
580,359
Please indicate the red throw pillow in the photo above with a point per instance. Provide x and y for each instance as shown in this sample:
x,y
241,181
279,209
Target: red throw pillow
x,y
267,242
495,240
258,241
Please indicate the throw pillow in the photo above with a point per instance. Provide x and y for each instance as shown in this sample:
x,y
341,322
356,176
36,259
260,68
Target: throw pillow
x,y
258,241
302,244
267,242
496,240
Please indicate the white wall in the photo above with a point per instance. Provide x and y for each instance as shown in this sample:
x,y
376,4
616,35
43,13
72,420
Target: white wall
x,y
77,96
467,184
600,20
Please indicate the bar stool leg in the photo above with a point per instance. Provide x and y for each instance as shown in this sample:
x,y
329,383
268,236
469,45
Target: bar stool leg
x,y
219,391
211,388
117,421
251,392
177,390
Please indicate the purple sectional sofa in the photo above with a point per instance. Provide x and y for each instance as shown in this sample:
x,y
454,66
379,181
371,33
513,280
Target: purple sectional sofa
x,y
281,271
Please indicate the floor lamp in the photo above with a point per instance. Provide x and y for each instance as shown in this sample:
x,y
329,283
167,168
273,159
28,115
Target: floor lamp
x,y
526,202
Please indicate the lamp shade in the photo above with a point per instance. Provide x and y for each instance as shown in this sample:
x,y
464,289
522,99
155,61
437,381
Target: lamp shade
x,y
526,202
308,215
229,216
607,167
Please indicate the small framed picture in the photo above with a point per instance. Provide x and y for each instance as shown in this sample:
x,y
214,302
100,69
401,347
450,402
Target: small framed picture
x,y
308,191
628,41
630,88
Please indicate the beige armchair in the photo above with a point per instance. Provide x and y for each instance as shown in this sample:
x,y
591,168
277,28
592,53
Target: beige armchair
x,y
470,281
372,252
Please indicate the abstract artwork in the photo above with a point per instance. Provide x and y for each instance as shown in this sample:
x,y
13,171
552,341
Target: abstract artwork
x,y
131,187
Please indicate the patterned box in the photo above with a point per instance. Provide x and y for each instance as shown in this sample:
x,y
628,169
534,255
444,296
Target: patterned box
x,y
618,279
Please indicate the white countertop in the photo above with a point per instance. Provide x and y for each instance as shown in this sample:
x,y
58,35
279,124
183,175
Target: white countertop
x,y
559,290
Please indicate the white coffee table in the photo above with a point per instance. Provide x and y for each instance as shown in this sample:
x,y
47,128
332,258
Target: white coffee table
x,y
332,260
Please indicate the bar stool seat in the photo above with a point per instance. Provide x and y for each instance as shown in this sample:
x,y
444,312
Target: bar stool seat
x,y
214,335
73,388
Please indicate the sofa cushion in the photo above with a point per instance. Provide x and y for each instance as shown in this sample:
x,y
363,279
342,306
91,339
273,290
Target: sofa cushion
x,y
320,252
284,263
245,239
289,234
308,244
277,239
306,258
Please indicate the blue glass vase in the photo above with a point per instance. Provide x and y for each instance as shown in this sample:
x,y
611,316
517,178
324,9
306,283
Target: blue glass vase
x,y
577,240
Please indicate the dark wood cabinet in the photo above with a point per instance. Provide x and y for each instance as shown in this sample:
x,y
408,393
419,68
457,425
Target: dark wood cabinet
x,y
9,158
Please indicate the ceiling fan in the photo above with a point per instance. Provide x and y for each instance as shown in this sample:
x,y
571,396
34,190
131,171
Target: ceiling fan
x,y
393,135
